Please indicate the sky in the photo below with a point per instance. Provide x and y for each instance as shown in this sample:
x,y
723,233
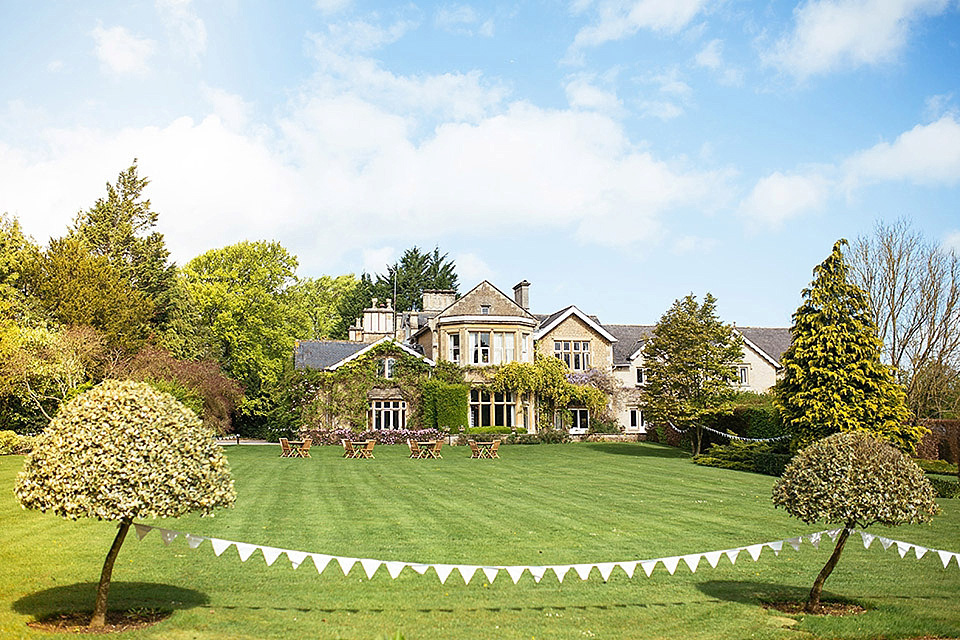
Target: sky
x,y
618,155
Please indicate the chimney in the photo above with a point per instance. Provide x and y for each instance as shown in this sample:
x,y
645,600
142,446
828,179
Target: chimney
x,y
521,294
437,299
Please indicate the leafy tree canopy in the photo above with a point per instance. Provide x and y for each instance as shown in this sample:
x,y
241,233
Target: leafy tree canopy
x,y
320,299
833,377
415,272
691,361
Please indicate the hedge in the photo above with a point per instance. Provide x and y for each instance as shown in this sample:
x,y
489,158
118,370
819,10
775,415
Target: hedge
x,y
444,405
756,457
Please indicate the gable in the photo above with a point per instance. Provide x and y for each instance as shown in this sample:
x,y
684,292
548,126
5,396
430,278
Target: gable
x,y
485,295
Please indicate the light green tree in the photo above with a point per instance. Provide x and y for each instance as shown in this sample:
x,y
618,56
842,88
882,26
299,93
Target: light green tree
x,y
833,378
690,360
123,451
854,480
319,300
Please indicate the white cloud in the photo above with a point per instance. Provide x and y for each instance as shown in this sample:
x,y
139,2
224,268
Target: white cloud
x,y
926,155
376,261
582,93
616,20
120,52
55,66
846,34
190,32
360,36
711,56
687,244
951,242
232,109
778,197
332,6
472,268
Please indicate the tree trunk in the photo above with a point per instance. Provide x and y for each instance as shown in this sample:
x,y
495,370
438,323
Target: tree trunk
x,y
697,439
813,602
99,618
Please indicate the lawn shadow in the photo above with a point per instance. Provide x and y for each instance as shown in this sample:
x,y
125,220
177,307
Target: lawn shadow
x,y
640,449
756,593
123,595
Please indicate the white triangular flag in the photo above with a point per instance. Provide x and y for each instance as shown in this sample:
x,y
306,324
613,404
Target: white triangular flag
x,y
814,540
561,571
394,568
320,561
754,551
693,561
346,564
648,566
296,557
732,554
945,557
419,567
443,571
867,539
370,566
583,570
713,557
194,541
467,571
606,568
142,530
886,542
902,548
245,550
919,551
629,567
490,573
671,563
168,535
777,546
833,533
795,543
219,546
270,554
515,573
537,572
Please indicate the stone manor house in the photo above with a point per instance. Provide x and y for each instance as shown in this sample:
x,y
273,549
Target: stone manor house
x,y
485,327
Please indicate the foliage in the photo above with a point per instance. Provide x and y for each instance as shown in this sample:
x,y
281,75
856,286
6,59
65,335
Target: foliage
x,y
945,488
118,228
350,306
14,443
604,425
385,436
833,378
415,272
750,415
198,384
319,300
757,457
444,406
690,359
544,435
914,289
448,372
73,287
941,467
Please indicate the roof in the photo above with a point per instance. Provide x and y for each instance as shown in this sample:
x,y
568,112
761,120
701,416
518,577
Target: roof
x,y
555,319
630,337
331,354
774,341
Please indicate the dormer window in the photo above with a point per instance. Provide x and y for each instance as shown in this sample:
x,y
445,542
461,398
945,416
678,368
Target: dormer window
x,y
385,368
484,309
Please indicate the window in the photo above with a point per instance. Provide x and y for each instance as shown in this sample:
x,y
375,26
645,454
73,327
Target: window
x,y
388,414
743,375
525,341
385,368
484,309
579,420
453,344
575,354
642,376
503,347
479,347
636,420
491,409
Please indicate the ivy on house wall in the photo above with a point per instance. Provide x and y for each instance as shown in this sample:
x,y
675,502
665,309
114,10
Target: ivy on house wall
x,y
444,405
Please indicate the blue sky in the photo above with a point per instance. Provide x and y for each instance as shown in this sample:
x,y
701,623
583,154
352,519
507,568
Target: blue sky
x,y
618,155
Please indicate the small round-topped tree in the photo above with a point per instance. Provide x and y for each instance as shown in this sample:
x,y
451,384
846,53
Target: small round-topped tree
x,y
853,479
122,451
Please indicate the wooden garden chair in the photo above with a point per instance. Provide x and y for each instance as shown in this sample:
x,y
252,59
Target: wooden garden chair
x,y
492,453
415,450
304,450
435,451
286,451
474,449
367,451
348,450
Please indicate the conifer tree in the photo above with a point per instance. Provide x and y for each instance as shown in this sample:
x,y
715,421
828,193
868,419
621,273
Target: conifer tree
x,y
833,377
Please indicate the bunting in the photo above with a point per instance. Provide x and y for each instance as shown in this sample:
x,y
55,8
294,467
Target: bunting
x,y
583,570
729,436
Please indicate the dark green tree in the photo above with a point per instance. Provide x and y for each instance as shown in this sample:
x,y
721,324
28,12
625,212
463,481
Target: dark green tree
x,y
415,272
833,377
691,361
350,306
119,227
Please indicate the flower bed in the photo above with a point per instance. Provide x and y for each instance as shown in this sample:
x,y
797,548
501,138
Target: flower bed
x,y
396,436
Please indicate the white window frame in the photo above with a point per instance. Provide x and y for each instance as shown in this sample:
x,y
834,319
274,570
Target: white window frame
x,y
388,415
453,347
579,420
479,354
637,422
641,376
743,375
575,353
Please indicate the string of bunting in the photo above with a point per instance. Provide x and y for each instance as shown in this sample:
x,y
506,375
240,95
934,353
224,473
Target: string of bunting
x,y
467,571
730,435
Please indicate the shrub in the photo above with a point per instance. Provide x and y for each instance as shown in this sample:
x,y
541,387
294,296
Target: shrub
x,y
604,425
13,443
945,488
758,457
937,466
395,436
444,405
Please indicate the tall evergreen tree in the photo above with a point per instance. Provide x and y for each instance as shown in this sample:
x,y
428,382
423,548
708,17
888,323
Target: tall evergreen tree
x,y
119,228
415,272
833,377
691,361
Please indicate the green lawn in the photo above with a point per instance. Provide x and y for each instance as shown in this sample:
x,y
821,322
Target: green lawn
x,y
537,505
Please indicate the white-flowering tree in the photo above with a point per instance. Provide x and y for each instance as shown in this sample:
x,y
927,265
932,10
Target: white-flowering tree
x,y
122,451
854,480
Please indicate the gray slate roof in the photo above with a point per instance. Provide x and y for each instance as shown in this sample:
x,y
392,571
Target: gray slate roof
x,y
320,354
773,340
629,337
